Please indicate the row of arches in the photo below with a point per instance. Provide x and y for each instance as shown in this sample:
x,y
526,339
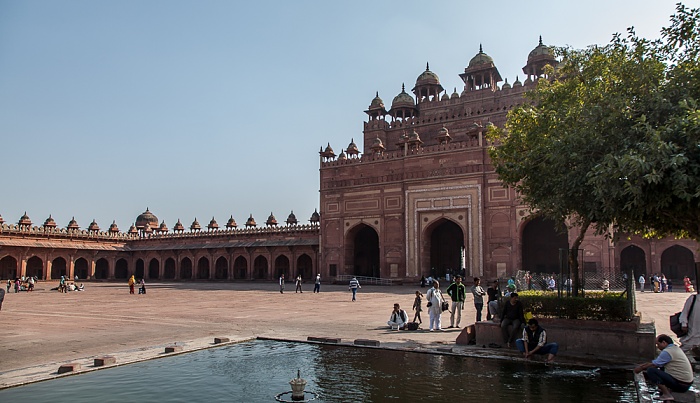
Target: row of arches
x,y
172,269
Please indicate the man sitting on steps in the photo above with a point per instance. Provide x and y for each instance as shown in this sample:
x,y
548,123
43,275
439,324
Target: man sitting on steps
x,y
398,318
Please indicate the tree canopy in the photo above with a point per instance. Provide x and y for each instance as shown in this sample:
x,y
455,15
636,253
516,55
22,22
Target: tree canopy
x,y
611,137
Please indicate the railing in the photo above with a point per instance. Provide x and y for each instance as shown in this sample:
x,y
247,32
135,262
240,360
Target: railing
x,y
363,280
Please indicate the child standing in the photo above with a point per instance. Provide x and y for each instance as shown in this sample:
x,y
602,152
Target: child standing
x,y
417,303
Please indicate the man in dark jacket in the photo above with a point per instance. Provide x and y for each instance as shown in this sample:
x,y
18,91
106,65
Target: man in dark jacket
x,y
512,314
457,291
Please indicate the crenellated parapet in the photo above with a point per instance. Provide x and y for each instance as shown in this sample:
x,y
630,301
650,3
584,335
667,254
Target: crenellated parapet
x,y
54,232
286,230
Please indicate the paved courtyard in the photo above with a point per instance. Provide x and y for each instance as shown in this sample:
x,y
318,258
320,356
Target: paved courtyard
x,y
41,330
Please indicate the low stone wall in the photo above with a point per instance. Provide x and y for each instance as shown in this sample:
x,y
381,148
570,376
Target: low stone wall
x,y
629,341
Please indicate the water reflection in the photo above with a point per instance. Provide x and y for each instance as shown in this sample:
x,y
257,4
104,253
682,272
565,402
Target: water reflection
x,y
257,371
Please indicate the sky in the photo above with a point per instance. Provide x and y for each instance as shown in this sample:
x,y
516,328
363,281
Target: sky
x,y
217,108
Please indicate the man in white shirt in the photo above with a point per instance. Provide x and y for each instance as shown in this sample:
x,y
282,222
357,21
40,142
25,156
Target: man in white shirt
x,y
398,318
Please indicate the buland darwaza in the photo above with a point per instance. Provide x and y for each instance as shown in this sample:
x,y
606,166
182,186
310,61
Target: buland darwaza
x,y
420,199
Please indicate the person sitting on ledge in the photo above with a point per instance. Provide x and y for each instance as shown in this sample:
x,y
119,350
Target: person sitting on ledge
x,y
670,370
534,341
512,315
398,318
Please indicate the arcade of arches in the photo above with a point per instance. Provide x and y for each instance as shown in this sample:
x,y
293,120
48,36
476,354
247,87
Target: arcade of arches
x,y
224,267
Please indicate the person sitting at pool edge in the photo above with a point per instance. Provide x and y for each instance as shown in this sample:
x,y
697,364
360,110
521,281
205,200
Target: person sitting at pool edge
x,y
512,315
398,318
670,370
534,341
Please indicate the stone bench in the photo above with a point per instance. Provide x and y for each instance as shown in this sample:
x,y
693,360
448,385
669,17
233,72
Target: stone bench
x,y
72,367
173,349
105,360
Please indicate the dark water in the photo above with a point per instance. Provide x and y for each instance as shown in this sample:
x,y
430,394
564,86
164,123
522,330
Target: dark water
x,y
256,371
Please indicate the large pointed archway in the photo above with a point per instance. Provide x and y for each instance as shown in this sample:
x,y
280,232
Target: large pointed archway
x,y
35,267
8,267
633,258
445,247
677,262
541,244
58,268
362,251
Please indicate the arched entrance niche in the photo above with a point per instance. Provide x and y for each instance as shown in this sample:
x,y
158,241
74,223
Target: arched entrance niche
x,y
140,269
446,247
81,268
541,244
202,268
102,269
169,269
677,262
154,269
240,268
221,268
121,269
282,267
186,269
58,268
305,266
362,251
260,268
35,267
8,267
633,258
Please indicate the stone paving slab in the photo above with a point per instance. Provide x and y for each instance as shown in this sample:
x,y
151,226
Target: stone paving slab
x,y
42,330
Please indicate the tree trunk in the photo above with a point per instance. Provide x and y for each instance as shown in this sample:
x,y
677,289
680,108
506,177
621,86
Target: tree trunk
x,y
573,256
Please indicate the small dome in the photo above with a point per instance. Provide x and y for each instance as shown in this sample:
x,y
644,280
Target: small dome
x,y
445,97
403,100
506,86
329,149
377,145
93,226
148,229
480,58
73,225
195,225
315,217
24,220
251,222
292,219
2,220
541,50
414,137
517,83
50,222
178,226
376,103
163,227
271,220
133,230
427,77
352,148
113,227
231,223
146,219
455,94
443,135
213,224
342,156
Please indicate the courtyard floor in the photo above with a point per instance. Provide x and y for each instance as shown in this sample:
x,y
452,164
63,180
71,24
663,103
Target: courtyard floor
x,y
42,330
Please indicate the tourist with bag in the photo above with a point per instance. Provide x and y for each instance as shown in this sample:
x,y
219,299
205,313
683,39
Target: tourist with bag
x,y
435,301
690,324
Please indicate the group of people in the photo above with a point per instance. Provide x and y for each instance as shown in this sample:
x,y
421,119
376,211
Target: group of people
x,y
297,283
659,283
24,283
132,285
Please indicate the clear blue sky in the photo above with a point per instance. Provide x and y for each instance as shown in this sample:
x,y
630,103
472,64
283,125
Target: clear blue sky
x,y
212,108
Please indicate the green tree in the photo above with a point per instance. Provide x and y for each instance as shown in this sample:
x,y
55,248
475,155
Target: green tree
x,y
610,128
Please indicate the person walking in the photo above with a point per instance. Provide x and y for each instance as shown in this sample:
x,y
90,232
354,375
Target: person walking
x,y
142,289
354,285
478,292
642,281
282,284
457,291
298,285
435,300
418,306
317,283
9,284
132,283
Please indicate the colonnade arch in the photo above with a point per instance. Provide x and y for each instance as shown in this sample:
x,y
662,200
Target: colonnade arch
x,y
633,258
240,268
541,243
186,269
80,268
221,268
58,268
202,268
169,269
260,268
154,269
8,267
140,268
102,269
677,262
35,267
305,266
282,267
121,269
